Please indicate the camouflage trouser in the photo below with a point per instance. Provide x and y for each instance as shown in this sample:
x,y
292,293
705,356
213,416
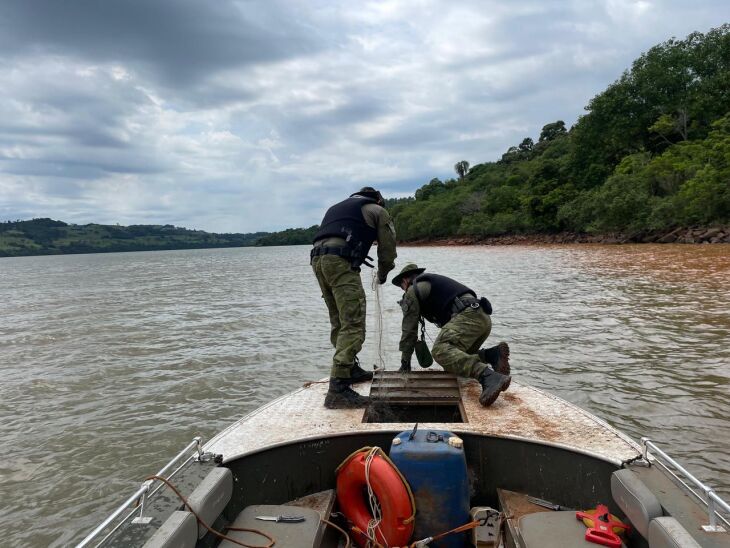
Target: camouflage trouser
x,y
455,349
344,296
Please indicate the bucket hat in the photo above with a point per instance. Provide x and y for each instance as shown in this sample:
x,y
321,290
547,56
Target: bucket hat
x,y
410,268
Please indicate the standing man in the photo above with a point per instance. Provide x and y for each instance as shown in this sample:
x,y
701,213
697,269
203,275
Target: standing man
x,y
465,324
341,245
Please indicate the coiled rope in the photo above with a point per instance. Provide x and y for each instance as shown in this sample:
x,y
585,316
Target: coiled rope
x,y
374,523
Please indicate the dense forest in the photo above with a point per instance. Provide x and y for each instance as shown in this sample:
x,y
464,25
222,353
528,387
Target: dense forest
x,y
651,154
49,237
290,236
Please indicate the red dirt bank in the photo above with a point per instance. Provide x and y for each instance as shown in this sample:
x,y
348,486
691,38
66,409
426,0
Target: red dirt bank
x,y
715,235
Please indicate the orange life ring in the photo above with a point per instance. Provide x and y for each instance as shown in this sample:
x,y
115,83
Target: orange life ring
x,y
396,508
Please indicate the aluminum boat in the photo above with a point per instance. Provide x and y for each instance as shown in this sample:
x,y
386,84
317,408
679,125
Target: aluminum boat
x,y
533,461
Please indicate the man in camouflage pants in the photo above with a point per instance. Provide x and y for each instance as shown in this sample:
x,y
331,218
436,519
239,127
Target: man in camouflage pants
x,y
341,246
465,324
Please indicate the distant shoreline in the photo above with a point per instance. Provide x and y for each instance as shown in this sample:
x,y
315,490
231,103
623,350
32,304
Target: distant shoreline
x,y
56,253
691,235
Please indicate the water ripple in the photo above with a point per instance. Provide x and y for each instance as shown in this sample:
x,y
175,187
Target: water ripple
x,y
111,363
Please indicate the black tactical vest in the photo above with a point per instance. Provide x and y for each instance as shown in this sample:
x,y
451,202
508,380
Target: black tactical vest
x,y
437,307
344,220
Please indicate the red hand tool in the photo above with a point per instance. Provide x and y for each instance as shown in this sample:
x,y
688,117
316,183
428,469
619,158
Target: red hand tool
x,y
601,526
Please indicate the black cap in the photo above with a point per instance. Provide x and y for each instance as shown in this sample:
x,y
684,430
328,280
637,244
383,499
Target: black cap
x,y
370,192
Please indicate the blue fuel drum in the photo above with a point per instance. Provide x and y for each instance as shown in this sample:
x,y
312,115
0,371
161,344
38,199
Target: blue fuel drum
x,y
434,465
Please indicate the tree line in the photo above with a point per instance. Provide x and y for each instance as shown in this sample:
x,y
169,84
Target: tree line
x,y
49,237
652,152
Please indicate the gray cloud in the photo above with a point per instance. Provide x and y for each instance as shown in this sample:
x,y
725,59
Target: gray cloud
x,y
243,116
174,41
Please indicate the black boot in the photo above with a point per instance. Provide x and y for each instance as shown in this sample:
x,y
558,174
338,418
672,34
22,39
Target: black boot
x,y
492,384
341,396
358,374
405,367
497,357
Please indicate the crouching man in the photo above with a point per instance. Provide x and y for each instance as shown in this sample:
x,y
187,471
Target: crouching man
x,y
465,324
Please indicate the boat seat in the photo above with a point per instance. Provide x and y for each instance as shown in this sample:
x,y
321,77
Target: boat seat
x,y
212,495
553,530
286,535
180,530
666,532
635,499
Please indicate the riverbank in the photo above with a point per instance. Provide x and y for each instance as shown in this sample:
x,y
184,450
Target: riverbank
x,y
692,235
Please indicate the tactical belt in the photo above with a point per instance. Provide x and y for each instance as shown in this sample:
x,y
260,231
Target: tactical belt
x,y
459,304
344,252
462,303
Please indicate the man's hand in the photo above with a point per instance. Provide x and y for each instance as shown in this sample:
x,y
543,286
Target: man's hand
x,y
382,277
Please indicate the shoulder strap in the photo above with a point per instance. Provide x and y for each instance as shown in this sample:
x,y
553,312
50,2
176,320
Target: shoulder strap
x,y
415,290
421,319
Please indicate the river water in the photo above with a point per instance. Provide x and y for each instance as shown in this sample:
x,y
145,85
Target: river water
x,y
111,363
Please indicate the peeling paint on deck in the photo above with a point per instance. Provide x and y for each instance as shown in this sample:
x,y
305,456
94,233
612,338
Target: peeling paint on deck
x,y
523,412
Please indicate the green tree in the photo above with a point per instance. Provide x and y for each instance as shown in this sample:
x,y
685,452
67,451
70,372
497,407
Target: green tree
x,y
551,131
526,145
688,79
669,127
433,187
461,168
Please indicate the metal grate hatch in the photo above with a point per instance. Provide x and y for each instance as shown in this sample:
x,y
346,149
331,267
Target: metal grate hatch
x,y
420,396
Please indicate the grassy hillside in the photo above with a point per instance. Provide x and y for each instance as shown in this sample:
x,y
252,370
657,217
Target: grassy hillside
x,y
49,237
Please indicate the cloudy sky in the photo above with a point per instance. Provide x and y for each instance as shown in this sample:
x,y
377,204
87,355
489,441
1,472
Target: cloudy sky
x,y
237,116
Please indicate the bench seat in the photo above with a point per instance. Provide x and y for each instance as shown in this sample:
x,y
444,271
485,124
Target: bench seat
x,y
180,530
553,530
286,535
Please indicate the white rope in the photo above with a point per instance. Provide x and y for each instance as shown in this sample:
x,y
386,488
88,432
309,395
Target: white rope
x,y
373,524
379,324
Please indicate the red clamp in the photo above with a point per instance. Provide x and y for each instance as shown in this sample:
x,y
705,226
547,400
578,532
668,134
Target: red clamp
x,y
601,524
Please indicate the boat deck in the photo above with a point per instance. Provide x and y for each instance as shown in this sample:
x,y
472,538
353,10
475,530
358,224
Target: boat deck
x,y
522,413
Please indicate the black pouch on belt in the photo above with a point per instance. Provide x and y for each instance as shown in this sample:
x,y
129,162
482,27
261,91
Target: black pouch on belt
x,y
486,305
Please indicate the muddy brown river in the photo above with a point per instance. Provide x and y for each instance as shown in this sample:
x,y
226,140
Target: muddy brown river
x,y
110,363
